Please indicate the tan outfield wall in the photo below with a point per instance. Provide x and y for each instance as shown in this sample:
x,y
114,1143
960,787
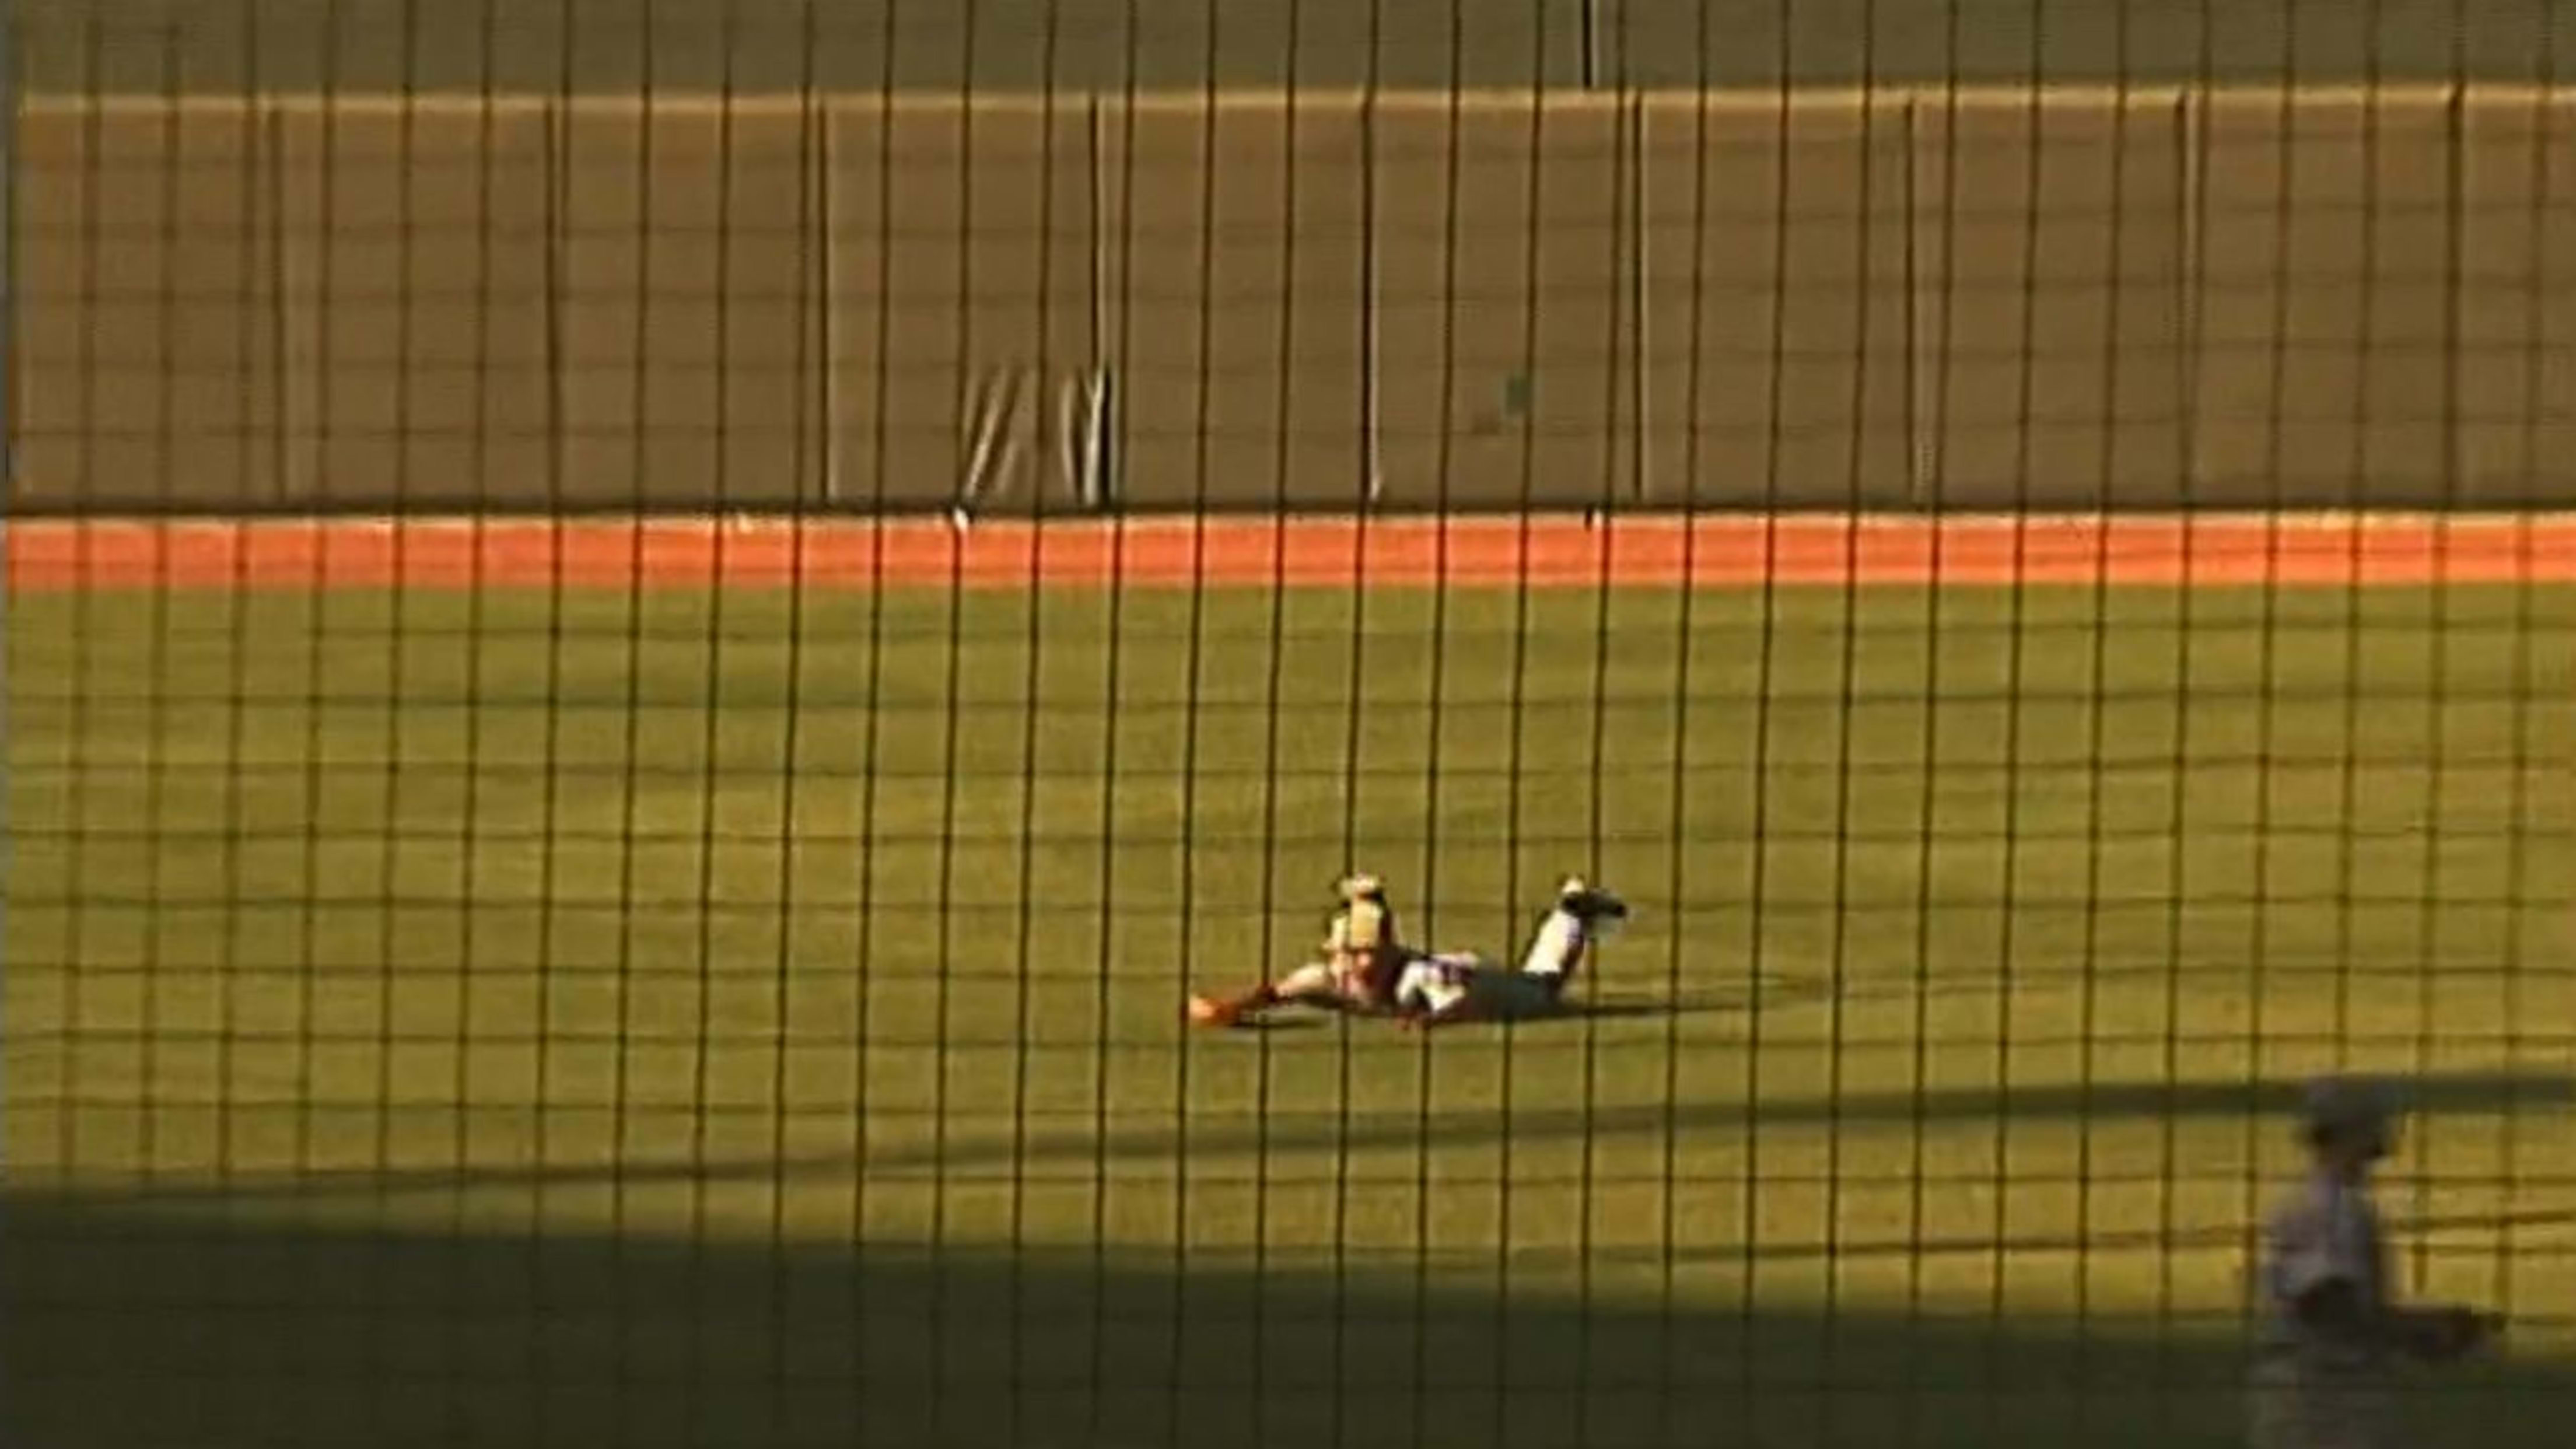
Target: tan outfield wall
x,y
1937,299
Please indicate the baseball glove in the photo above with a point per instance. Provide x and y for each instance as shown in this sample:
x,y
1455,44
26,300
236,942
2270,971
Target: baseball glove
x,y
2446,1335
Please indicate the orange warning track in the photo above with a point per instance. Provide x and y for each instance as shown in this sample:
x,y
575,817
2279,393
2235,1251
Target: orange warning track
x,y
1555,552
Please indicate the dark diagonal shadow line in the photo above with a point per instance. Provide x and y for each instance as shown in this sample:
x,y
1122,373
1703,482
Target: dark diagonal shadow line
x,y
1327,1130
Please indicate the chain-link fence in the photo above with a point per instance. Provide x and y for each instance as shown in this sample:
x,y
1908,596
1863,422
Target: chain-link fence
x,y
653,648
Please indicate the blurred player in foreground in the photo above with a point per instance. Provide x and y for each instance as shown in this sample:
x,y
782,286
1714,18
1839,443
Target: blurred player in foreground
x,y
1362,956
1437,990
2332,1339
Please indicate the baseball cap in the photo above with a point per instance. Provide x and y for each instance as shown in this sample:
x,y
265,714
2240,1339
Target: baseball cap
x,y
2347,1104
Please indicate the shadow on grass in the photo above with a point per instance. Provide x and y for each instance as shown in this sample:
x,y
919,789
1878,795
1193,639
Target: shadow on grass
x,y
127,1329
1272,1023
1341,1129
1278,1129
2098,973
1617,1010
1634,1006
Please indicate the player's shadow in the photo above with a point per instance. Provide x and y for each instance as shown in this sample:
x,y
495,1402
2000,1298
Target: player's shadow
x,y
1298,1016
1612,1010
1773,990
227,1328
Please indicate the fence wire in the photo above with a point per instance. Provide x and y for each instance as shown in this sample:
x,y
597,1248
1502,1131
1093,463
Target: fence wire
x,y
654,647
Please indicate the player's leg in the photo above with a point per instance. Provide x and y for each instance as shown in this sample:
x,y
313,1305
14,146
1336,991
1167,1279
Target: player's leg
x,y
1542,979
1515,995
2308,1410
1438,991
1460,987
1430,989
1547,983
2272,1408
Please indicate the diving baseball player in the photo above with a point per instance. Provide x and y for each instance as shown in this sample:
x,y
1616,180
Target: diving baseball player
x,y
1436,990
2332,1337
1362,955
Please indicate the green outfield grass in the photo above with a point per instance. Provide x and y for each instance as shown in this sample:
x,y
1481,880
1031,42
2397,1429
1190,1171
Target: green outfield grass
x,y
401,985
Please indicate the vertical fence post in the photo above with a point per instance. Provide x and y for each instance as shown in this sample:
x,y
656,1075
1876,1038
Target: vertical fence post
x,y
823,110
8,276
1640,304
1372,321
1922,461
2190,274
1102,456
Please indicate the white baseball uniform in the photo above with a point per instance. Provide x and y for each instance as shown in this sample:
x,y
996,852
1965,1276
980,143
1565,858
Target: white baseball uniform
x,y
2313,1390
